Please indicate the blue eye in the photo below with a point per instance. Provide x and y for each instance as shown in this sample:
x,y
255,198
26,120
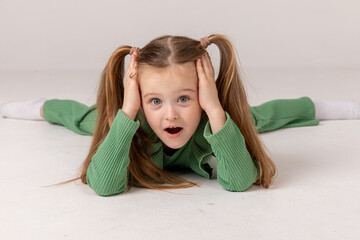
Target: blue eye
x,y
156,102
184,97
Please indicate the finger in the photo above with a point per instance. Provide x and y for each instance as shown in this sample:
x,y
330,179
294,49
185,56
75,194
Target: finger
x,y
131,71
133,76
132,59
200,69
209,60
209,69
206,66
132,62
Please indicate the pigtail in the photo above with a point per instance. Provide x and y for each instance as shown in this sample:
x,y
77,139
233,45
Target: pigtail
x,y
232,96
113,76
109,101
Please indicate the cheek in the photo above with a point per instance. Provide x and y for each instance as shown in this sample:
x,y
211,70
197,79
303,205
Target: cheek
x,y
197,108
150,117
147,113
193,115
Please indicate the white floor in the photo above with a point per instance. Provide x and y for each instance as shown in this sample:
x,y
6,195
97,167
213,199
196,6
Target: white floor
x,y
316,194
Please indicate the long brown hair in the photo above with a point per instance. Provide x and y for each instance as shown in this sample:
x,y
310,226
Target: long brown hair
x,y
162,52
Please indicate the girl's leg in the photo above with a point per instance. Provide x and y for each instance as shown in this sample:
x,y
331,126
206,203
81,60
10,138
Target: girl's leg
x,y
73,115
284,113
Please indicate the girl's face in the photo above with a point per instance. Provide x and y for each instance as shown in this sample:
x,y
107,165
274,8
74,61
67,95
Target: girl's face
x,y
170,103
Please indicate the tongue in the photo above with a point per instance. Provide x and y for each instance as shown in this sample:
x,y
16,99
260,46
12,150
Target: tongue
x,y
173,130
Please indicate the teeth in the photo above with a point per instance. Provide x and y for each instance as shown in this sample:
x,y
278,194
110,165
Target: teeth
x,y
172,127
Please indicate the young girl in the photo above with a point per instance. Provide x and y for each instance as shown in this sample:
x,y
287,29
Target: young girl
x,y
172,114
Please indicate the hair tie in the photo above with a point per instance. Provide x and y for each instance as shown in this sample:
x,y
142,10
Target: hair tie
x,y
205,42
133,49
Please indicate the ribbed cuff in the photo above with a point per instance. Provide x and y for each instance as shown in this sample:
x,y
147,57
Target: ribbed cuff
x,y
107,172
236,170
222,134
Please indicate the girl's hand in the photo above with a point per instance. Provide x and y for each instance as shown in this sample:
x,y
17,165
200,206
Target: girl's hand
x,y
208,94
132,100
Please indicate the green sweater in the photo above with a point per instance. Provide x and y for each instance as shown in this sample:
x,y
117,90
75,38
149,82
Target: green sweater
x,y
236,170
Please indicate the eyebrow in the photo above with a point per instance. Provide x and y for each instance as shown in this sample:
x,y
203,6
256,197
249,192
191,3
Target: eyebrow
x,y
181,90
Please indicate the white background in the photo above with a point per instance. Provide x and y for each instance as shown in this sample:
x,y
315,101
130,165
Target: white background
x,y
81,34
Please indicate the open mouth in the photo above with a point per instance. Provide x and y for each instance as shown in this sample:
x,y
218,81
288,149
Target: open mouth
x,y
174,130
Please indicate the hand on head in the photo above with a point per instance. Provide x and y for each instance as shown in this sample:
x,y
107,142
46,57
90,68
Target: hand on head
x,y
132,100
208,94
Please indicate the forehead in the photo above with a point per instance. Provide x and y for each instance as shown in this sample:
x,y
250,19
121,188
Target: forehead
x,y
172,77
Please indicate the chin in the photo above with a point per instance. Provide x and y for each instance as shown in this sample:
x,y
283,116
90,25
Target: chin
x,y
174,146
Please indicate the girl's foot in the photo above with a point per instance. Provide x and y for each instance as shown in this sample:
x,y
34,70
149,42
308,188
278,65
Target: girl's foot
x,y
29,110
333,110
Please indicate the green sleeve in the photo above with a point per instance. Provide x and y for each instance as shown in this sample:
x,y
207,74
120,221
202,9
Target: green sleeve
x,y
107,172
236,170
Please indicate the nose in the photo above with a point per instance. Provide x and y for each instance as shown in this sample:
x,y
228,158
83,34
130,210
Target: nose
x,y
171,113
